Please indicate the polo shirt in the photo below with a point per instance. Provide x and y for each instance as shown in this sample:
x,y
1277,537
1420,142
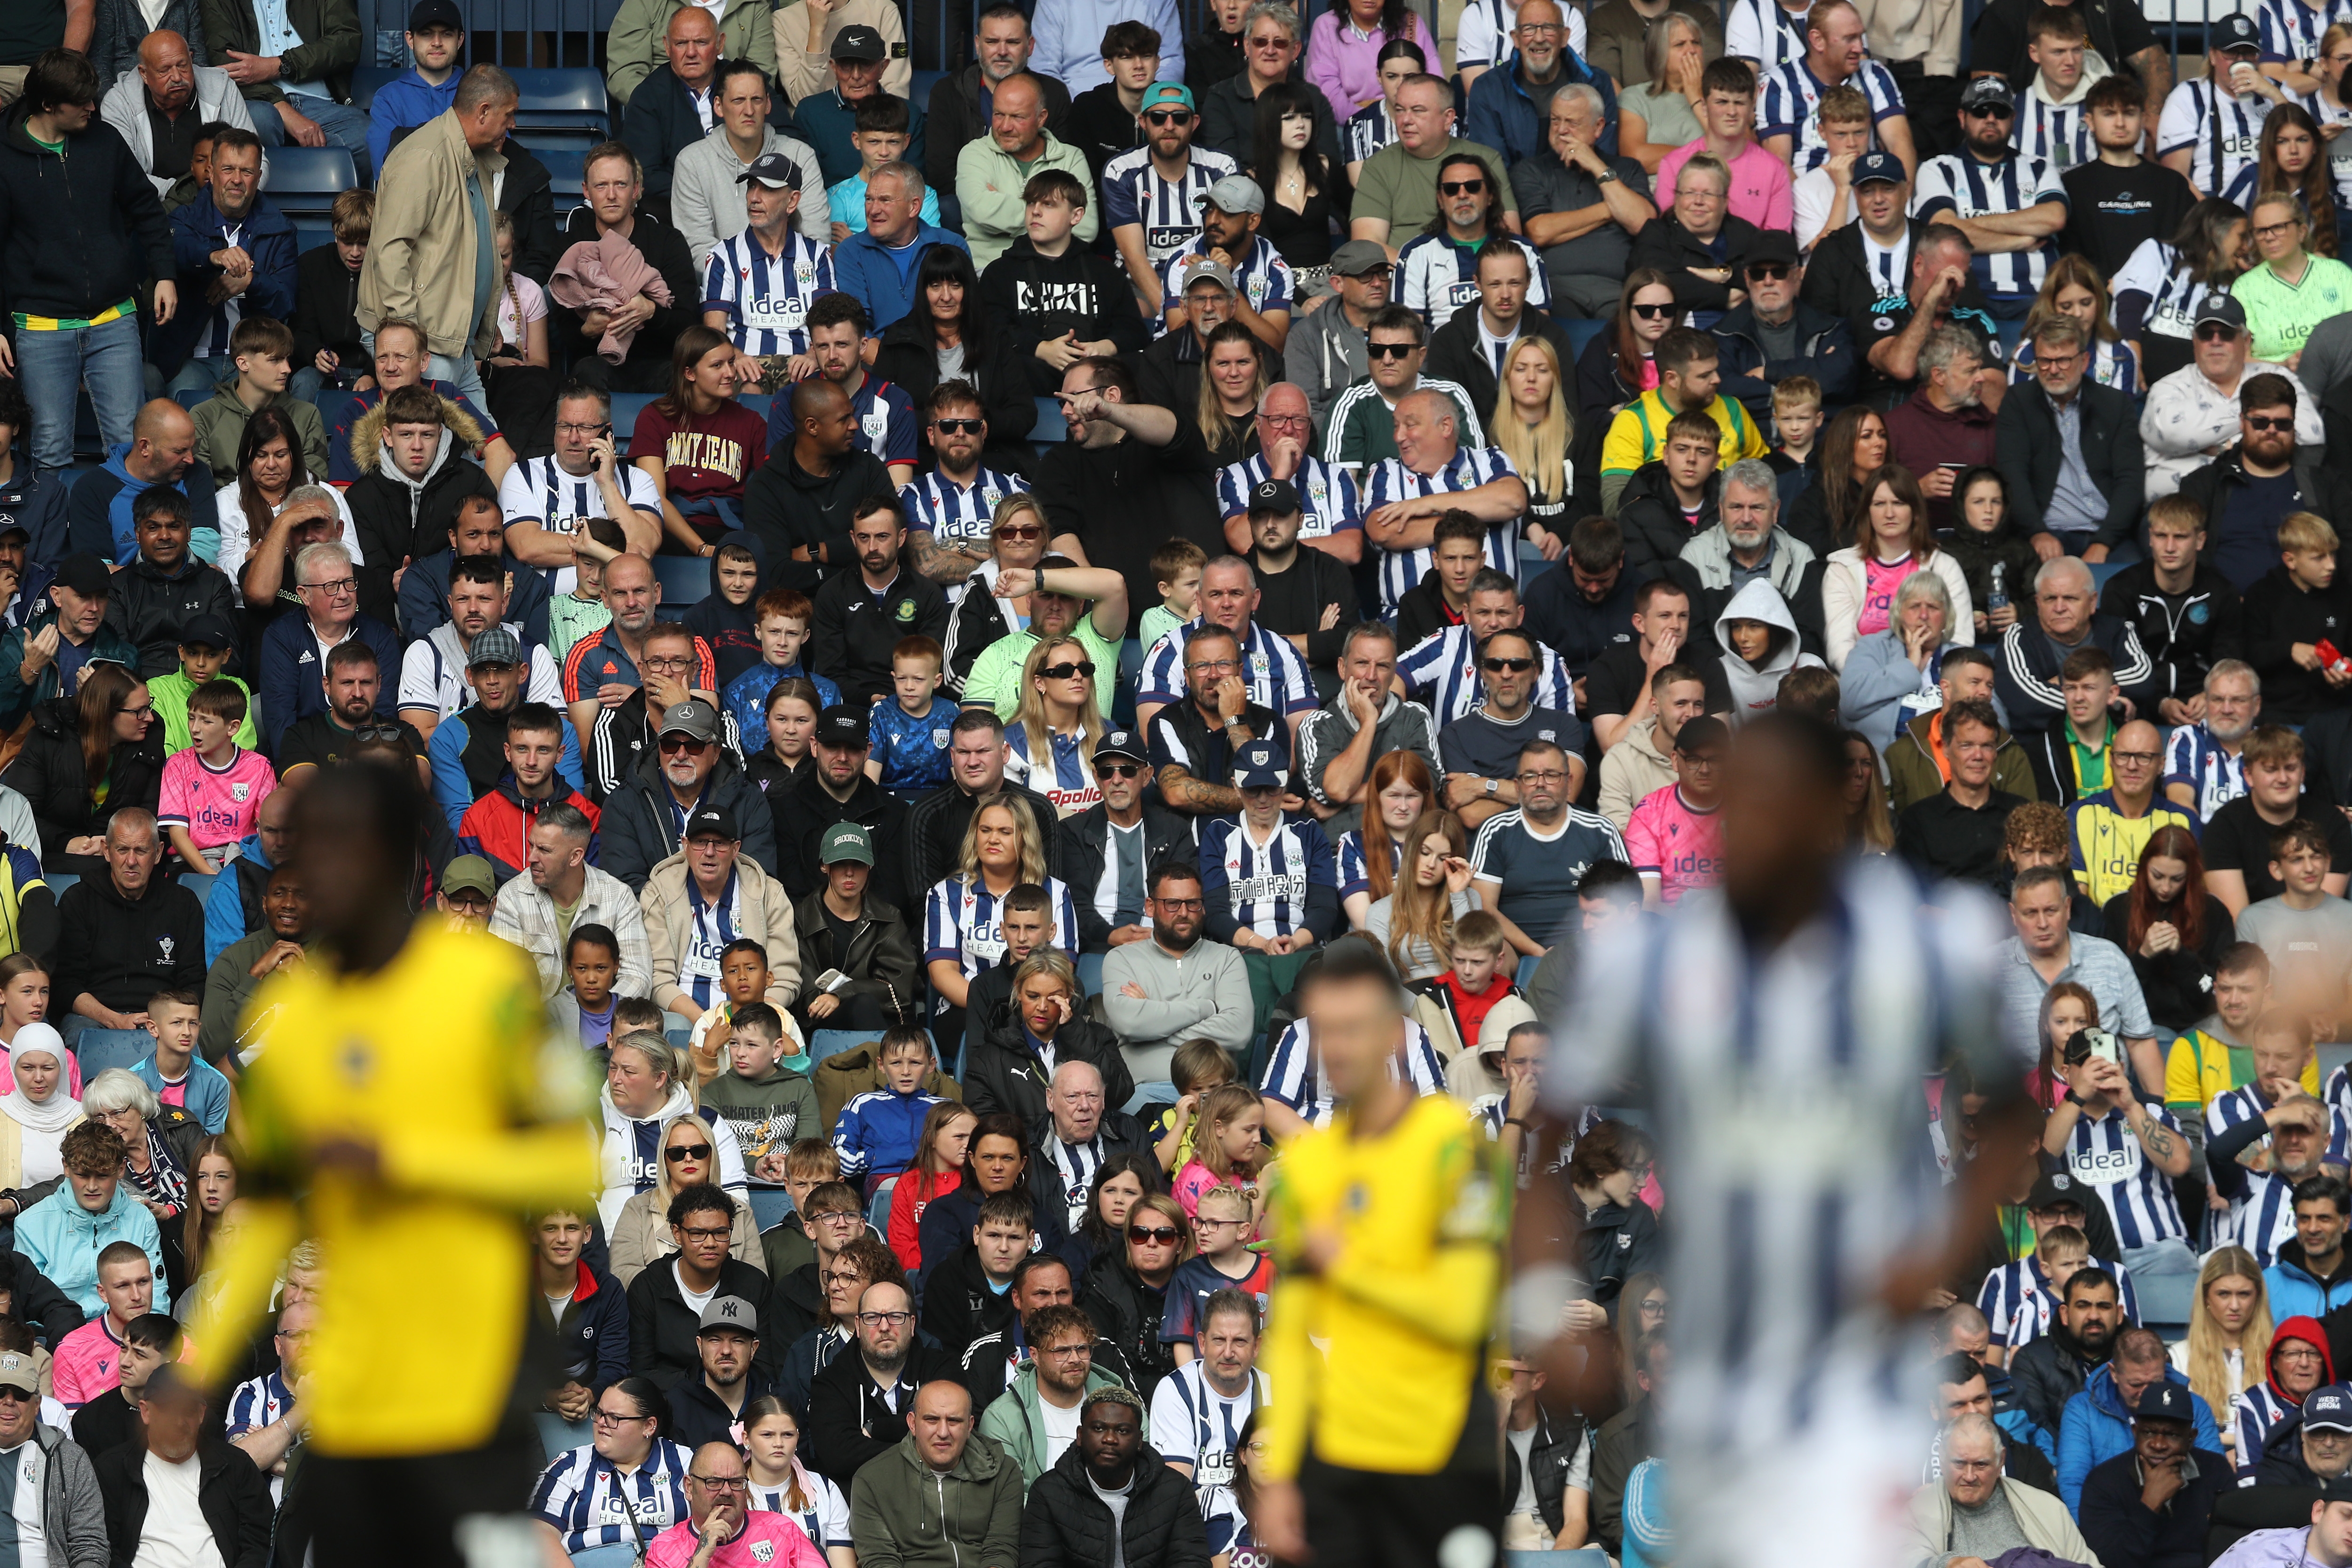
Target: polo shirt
x,y
1182,737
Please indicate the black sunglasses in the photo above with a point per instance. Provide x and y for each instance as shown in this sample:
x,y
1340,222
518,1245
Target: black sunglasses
x,y
1389,351
1991,111
959,426
1652,311
1766,271
1462,187
678,1152
1169,117
2217,332
378,734
1513,665
1161,1234
1119,770
1085,667
2261,422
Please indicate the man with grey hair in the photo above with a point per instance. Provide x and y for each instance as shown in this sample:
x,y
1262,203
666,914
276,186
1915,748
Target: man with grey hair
x,y
2027,666
1271,41
1973,1513
1893,328
1331,516
1943,429
2204,765
1435,472
1082,1131
1364,721
290,672
1746,544
878,264
1581,207
562,893
2070,451
2191,415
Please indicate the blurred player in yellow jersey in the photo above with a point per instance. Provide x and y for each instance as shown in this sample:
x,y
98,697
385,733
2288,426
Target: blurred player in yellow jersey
x,y
407,1109
1387,1228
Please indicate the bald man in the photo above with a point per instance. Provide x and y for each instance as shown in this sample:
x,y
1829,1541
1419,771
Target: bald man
x,y
677,103
892,1506
799,503
161,451
993,171
158,106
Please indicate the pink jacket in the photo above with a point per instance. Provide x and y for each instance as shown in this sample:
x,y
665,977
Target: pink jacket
x,y
604,275
790,1546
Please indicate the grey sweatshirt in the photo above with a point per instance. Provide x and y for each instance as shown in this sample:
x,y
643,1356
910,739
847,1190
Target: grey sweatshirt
x,y
1204,994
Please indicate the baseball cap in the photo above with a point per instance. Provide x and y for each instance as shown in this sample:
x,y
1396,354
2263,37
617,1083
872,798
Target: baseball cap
x,y
1232,193
2221,308
470,874
2054,1190
842,725
495,646
1215,271
773,170
18,1371
1122,743
713,822
2328,1409
1357,257
1987,92
729,1312
201,631
2332,1488
1879,168
12,526
692,717
428,13
1163,94
2166,1401
858,42
1259,765
1273,497
2234,32
86,574
1773,245
850,841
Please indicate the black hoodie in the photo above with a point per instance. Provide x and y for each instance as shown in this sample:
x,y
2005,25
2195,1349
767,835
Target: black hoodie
x,y
1038,297
786,508
73,225
123,950
48,772
151,606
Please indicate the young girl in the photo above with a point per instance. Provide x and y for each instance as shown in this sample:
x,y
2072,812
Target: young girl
x,y
1232,1152
1402,788
781,1484
1198,1066
1991,552
24,999
938,1168
2067,1009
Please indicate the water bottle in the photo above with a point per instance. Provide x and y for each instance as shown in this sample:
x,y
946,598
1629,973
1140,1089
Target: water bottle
x,y
1997,598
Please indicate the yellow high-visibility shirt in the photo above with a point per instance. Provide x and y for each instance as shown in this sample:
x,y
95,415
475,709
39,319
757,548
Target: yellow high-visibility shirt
x,y
1638,434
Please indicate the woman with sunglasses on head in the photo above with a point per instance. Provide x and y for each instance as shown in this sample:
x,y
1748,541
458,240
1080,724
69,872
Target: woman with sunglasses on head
x,y
1125,1291
1051,746
641,1237
2159,291
87,757
1618,365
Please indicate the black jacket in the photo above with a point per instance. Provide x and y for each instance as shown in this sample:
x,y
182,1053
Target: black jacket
x,y
397,524
1100,126
662,1325
948,1219
1292,603
879,962
1128,1313
935,829
2119,1529
2185,634
2279,615
527,195
787,507
2026,665
1839,278
852,630
2318,489
151,607
953,116
2178,985
1664,244
959,1305
908,361
1030,298
1066,1525
230,1493
1457,353
1120,1134
1001,1073
849,1424
637,830
1604,383
78,231
1653,525
2030,451
326,309
1620,1242
696,1416
2049,1371
801,814
1085,839
48,772
665,248
1824,351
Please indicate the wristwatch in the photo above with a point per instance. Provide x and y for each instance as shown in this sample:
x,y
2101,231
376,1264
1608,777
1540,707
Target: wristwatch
x,y
1491,787
1607,177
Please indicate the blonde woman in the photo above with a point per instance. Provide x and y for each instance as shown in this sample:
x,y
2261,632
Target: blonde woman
x,y
2229,1334
1533,426
641,1237
2075,290
1657,116
1233,378
1051,743
963,915
1017,537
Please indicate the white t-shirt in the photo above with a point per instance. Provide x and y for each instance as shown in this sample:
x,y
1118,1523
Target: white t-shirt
x,y
175,1534
432,672
537,489
696,1301
1061,1429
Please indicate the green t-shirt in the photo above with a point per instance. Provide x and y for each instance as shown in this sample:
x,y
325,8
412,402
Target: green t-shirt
x,y
2090,762
170,695
1402,188
2281,315
569,619
995,676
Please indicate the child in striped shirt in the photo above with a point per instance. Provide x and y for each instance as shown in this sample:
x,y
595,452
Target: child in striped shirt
x,y
211,792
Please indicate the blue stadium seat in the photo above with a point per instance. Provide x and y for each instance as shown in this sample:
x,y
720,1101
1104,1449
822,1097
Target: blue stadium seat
x,y
1050,426
2101,573
100,1049
304,181
1579,334
1583,1557
920,85
758,402
59,882
565,167
88,442
309,236
188,397
365,80
626,406
330,401
560,108
685,579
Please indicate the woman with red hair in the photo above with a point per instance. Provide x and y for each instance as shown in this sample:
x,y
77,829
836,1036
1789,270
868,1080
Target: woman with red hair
x,y
1402,788
2173,933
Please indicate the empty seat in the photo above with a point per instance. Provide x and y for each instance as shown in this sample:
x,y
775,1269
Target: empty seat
x,y
188,397
304,181
566,167
626,406
367,80
685,579
560,108
1050,426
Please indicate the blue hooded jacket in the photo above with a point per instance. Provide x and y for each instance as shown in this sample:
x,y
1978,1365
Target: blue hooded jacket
x,y
225,905
207,1089
408,101
1502,116
2096,1427
198,230
63,1239
98,512
864,267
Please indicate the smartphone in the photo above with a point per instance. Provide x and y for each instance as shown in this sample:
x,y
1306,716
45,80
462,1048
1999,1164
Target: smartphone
x,y
2098,1043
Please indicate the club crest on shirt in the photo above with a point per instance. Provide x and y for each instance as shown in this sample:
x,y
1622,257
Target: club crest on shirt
x,y
763,1551
164,947
939,739
906,611
239,792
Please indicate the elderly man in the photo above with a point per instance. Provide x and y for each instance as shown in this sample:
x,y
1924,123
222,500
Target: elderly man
x,y
640,28
1698,243
2191,416
993,171
63,1512
692,771
1435,472
1360,431
432,224
1837,52
1509,113
1082,1129
1747,543
1331,518
1974,1503
2203,758
1275,672
613,184
1396,198
294,650
1273,38
1130,478
558,878
1325,351
159,106
721,1528
1472,345
123,939
2070,451
707,185
1581,207
161,451
876,265
677,105
1001,48
1775,334
682,902
2247,490
2033,652
1893,329
973,1489
827,121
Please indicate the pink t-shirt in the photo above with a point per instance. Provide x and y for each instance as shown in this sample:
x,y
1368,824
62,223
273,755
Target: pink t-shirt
x,y
766,1540
1760,190
1680,846
1192,1181
1880,579
88,1362
216,805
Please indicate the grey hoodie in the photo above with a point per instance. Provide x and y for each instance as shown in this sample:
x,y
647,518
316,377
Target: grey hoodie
x,y
1754,691
1325,354
125,108
1402,726
705,201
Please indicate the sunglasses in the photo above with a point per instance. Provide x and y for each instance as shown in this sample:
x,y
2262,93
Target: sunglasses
x,y
378,734
1168,117
1509,666
1085,667
686,743
1020,531
1153,1235
1389,351
2267,423
1767,271
1119,770
2217,333
959,426
1991,111
1651,312
1462,187
678,1152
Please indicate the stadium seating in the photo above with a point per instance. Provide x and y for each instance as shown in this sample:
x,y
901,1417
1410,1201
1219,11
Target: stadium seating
x,y
566,167
561,109
304,181
365,81
685,579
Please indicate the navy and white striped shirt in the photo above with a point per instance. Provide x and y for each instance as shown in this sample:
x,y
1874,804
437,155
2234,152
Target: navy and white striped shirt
x,y
1369,130
590,1503
2058,133
2292,30
1266,886
1403,569
1793,93
2106,1154
1765,33
1193,1424
954,514
1437,276
767,296
1355,872
1442,669
2261,1219
2019,1292
2338,153
2253,1415
1169,211
2225,131
2112,365
1960,185
712,927
537,489
964,921
1264,277
1328,497
2154,269
1274,670
1294,1070
2193,757
1786,1080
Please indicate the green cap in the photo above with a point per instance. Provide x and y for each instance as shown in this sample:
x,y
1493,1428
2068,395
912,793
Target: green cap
x,y
470,874
846,841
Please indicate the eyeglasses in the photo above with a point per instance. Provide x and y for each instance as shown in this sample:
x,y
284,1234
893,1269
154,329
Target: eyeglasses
x,y
1767,271
833,1216
1504,665
2273,230
334,590
667,666
378,734
144,710
678,1152
1288,421
686,744
959,426
1068,1352
1020,531
719,1483
590,431
885,1319
1063,672
1389,351
1119,770
1539,29
1169,117
2143,758
1462,187
1154,1235
1651,312
707,1233
1211,666
1178,906
1548,775
603,1417
2217,332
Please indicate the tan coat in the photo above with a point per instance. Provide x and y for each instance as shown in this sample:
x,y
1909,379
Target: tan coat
x,y
641,1237
421,256
2042,1517
767,920
1631,770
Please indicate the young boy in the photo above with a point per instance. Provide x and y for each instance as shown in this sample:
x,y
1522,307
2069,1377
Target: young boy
x,y
1176,570
582,612
2055,1201
2058,1252
782,626
146,1342
205,644
2075,758
743,981
2306,933
770,1103
211,792
874,1136
1063,302
1822,197
88,1361
1796,419
808,1164
262,350
1222,1226
883,134
1674,838
725,618
1454,1006
592,958
2120,198
1457,549
1196,1068
2299,604
910,731
180,1077
969,1293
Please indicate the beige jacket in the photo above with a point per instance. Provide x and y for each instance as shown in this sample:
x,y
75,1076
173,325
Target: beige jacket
x,y
2042,1518
421,256
637,42
1902,31
802,71
641,1237
1631,770
767,918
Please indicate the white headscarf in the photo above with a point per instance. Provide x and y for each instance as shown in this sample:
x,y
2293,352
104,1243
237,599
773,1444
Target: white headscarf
x,y
42,1122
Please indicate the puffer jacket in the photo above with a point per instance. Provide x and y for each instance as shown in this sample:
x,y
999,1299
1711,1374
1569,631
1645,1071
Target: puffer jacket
x,y
766,918
49,773
1068,1526
639,831
2096,1427
1001,1073
968,1517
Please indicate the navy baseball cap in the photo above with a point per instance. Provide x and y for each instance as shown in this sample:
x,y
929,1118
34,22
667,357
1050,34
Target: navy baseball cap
x,y
2234,32
2165,1401
1877,168
1116,743
1258,765
2328,1409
